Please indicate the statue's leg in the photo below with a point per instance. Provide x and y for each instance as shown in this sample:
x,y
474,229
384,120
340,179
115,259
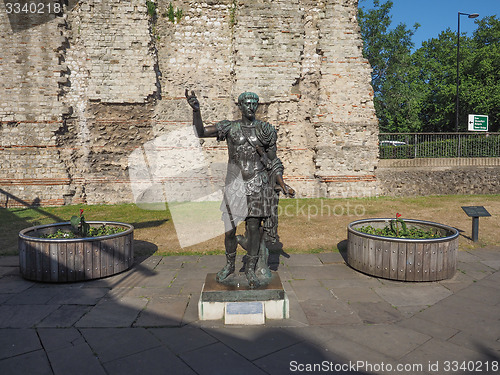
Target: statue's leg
x,y
230,244
262,270
243,240
253,243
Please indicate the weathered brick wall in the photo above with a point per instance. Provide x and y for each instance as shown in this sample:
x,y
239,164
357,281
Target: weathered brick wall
x,y
303,58
31,108
81,91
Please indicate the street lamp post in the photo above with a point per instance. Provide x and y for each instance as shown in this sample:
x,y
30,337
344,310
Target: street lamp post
x,y
473,15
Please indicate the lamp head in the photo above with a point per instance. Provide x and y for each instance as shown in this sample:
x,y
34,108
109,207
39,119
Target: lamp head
x,y
473,15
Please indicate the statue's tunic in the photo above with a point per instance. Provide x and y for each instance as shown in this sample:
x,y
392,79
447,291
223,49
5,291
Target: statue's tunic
x,y
248,190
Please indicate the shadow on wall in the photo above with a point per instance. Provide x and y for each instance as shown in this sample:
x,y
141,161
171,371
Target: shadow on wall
x,y
25,14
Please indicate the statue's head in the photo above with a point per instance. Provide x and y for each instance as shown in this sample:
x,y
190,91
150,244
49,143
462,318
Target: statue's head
x,y
248,103
246,96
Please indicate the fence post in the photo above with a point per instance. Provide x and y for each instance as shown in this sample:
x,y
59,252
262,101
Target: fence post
x,y
459,151
415,145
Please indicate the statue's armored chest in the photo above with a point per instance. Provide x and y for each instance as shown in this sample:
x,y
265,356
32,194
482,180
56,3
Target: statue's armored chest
x,y
243,136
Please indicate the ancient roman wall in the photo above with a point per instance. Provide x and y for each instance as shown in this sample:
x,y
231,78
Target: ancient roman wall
x,y
82,90
416,177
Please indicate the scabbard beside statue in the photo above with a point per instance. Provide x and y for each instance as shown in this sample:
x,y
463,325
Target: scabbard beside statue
x,y
253,183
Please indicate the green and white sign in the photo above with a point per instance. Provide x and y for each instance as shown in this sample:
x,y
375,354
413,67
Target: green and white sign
x,y
478,123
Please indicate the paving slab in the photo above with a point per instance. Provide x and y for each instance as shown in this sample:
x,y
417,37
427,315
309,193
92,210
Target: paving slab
x,y
467,256
14,342
75,360
78,296
289,360
24,316
301,260
413,294
159,361
114,343
14,284
458,282
356,294
204,361
255,342
388,339
34,296
33,363
487,253
163,311
9,261
191,313
181,340
329,312
363,281
481,293
376,312
437,352
120,312
65,316
409,311
475,270
309,289
352,352
477,342
158,279
495,264
465,315
324,272
59,338
428,328
6,271
329,258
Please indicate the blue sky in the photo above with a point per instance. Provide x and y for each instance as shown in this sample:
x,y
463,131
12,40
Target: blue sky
x,y
435,16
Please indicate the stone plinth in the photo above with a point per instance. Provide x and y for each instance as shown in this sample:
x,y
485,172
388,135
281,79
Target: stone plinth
x,y
238,304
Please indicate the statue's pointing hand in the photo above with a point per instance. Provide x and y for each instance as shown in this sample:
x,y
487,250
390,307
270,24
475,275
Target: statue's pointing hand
x,y
192,100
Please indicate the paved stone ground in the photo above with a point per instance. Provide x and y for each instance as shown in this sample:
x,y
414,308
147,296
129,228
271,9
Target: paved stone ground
x,y
145,321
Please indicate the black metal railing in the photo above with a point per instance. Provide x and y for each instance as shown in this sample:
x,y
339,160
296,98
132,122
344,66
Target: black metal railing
x,y
438,145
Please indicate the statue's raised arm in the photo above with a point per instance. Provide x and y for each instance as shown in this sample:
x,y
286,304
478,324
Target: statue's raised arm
x,y
201,130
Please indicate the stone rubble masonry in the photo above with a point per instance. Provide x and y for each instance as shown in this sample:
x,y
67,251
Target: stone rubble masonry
x,y
81,91
410,177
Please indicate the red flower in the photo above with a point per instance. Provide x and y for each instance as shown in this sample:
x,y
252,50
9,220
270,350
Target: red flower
x,y
398,215
81,212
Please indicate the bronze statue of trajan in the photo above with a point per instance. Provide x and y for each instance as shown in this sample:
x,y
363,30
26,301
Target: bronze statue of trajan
x,y
252,161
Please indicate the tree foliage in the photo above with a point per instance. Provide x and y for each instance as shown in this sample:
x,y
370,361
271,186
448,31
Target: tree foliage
x,y
416,91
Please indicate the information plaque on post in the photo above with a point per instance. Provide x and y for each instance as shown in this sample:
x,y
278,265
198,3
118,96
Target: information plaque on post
x,y
475,212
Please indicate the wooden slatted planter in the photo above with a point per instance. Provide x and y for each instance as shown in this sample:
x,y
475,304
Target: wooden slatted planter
x,y
403,258
75,259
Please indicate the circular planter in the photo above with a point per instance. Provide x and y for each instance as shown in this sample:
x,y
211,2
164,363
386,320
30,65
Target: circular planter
x,y
75,259
403,258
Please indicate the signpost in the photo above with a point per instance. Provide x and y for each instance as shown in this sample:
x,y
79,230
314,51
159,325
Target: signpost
x,y
475,212
478,123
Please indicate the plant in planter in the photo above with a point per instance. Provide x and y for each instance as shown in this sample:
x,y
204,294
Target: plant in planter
x,y
393,230
75,250
81,229
411,250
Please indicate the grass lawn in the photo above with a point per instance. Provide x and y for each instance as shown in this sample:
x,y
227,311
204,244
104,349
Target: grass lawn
x,y
306,225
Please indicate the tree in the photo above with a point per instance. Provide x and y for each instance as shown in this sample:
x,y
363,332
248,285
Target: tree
x,y
389,53
417,91
480,87
435,66
479,76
